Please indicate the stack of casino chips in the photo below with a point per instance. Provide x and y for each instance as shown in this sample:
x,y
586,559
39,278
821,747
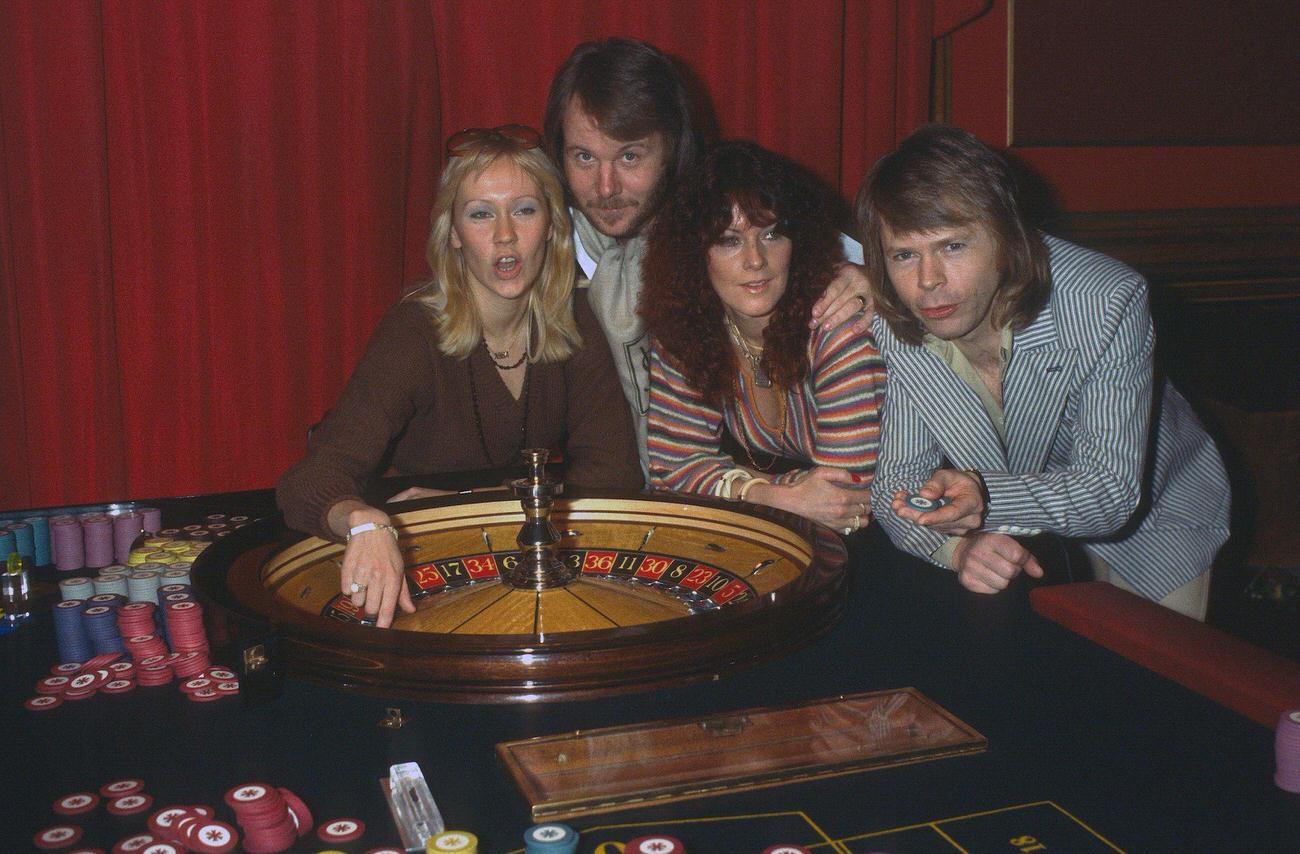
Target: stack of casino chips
x,y
553,838
142,584
66,545
272,819
76,588
112,579
70,632
97,532
127,527
100,619
1287,745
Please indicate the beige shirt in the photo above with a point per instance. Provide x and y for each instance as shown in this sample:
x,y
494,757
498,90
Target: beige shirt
x,y
961,366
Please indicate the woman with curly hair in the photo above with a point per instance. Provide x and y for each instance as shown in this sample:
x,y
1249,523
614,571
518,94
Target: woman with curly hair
x,y
735,262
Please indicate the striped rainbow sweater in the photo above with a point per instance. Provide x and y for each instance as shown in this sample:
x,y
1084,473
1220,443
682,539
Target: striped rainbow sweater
x,y
833,417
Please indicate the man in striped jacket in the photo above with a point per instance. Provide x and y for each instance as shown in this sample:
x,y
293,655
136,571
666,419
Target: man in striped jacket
x,y
1021,389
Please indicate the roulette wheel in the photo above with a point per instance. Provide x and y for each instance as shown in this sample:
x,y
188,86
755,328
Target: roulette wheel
x,y
543,596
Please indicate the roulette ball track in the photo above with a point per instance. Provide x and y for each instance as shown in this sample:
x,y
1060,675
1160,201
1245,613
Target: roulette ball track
x,y
666,590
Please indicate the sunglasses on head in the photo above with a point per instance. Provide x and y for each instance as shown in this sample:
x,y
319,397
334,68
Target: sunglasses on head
x,y
525,136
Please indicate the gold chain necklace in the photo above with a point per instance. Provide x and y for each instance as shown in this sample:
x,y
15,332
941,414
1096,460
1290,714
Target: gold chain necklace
x,y
758,416
761,379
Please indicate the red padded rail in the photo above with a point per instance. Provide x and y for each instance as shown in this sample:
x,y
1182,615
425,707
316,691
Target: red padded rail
x,y
1239,675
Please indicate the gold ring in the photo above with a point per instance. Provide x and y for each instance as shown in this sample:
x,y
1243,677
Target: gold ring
x,y
857,521
863,304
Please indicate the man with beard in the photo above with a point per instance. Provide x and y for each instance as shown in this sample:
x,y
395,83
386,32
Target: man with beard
x,y
620,123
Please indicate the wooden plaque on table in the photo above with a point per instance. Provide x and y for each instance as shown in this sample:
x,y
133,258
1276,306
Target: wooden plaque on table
x,y
644,764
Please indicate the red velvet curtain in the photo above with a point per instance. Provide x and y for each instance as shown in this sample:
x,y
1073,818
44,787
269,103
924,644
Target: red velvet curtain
x,y
206,207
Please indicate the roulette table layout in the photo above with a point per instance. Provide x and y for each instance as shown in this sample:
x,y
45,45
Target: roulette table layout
x,y
1086,750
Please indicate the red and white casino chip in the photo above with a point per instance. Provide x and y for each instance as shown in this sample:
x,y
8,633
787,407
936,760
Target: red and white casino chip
x,y
130,804
57,836
248,798
118,788
53,685
42,703
656,844
210,836
134,844
76,803
341,830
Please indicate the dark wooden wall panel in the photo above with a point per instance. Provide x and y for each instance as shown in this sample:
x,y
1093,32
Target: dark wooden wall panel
x,y
1155,72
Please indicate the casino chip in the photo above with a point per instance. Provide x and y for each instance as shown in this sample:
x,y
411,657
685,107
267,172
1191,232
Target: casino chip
x,y
58,836
210,837
551,838
130,804
452,842
342,830
920,502
134,844
657,844
118,788
76,803
52,685
385,849
786,849
42,703
206,695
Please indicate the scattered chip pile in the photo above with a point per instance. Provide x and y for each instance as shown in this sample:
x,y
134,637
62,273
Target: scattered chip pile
x,y
107,674
1287,744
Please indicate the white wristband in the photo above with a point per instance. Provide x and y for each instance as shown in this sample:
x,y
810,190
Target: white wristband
x,y
370,526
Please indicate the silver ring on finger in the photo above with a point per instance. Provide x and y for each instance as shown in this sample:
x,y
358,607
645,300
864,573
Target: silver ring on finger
x,y
357,588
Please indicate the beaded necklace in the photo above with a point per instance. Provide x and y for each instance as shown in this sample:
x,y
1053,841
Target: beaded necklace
x,y
478,418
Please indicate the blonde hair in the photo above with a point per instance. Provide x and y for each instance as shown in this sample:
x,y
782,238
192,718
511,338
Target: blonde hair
x,y
553,333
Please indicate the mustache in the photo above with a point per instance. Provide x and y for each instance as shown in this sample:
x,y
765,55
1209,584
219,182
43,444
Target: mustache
x,y
613,203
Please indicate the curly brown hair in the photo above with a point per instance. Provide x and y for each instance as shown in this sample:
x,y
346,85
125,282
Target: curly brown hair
x,y
678,304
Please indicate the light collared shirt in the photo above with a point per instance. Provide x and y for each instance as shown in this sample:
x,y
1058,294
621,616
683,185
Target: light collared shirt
x,y
955,359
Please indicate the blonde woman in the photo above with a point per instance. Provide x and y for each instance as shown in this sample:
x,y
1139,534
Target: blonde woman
x,y
496,353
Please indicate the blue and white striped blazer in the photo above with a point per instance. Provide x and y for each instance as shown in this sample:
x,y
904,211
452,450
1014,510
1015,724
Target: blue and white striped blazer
x,y
1077,396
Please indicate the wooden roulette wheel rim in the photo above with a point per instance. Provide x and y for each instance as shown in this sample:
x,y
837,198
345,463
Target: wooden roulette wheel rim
x,y
772,583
